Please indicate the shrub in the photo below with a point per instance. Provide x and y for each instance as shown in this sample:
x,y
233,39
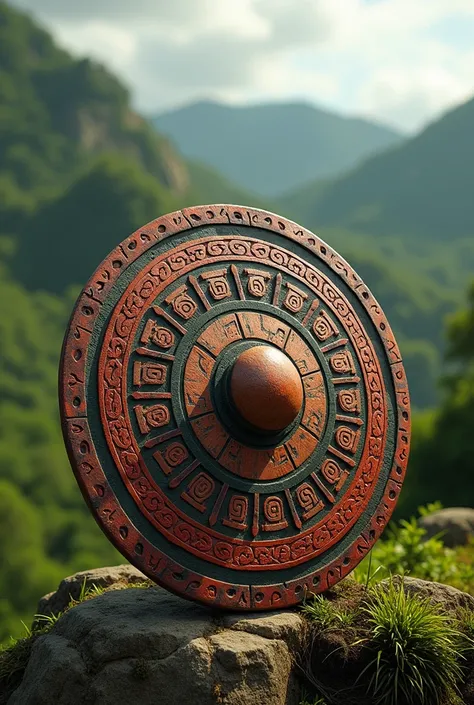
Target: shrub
x,y
405,551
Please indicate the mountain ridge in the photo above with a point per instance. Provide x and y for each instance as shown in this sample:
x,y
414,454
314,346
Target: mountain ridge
x,y
77,163
307,141
58,113
416,190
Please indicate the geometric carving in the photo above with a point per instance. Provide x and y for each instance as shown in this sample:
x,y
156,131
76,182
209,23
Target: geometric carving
x,y
182,303
149,373
158,335
308,500
199,489
274,514
349,400
294,299
258,282
175,454
347,438
218,284
342,362
237,512
333,473
149,417
323,327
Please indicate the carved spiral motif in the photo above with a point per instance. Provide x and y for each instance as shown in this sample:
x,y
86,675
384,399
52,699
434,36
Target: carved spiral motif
x,y
257,286
238,510
175,454
158,335
151,427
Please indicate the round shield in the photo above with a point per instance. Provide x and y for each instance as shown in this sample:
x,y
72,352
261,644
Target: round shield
x,y
234,407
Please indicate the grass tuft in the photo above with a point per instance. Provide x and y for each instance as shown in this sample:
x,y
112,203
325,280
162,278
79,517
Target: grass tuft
x,y
319,700
417,651
326,614
13,660
466,621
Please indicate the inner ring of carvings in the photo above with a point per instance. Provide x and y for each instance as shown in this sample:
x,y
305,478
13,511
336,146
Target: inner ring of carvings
x,y
240,458
197,487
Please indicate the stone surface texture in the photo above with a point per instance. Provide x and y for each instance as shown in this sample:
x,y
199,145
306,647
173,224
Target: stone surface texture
x,y
144,646
456,524
449,598
114,577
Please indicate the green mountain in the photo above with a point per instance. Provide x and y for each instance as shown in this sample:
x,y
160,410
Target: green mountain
x,y
420,190
79,169
69,236
92,171
57,113
270,149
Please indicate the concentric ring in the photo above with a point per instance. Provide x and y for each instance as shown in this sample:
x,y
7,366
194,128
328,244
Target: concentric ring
x,y
200,503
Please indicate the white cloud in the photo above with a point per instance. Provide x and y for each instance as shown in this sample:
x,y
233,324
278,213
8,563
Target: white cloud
x,y
373,58
117,11
408,95
114,46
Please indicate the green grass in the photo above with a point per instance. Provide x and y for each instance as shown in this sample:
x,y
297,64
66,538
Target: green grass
x,y
13,660
383,645
466,621
404,550
328,615
417,650
319,700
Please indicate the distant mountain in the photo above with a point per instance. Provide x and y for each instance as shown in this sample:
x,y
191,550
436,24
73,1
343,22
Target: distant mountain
x,y
421,190
271,149
207,185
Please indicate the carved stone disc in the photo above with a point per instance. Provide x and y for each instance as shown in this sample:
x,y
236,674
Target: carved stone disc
x,y
234,407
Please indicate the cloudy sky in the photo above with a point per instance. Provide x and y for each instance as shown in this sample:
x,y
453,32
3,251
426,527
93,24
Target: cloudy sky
x,y
398,61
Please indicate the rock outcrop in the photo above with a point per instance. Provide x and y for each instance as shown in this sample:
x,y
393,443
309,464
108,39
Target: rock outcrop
x,y
455,524
112,578
143,646
448,598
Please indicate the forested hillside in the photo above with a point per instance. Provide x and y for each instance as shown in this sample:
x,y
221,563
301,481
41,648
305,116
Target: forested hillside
x,y
56,114
419,191
45,527
441,462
